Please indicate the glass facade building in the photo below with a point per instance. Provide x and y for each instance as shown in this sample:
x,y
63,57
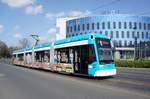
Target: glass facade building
x,y
122,29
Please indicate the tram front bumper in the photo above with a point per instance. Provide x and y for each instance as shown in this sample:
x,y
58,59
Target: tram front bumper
x,y
103,73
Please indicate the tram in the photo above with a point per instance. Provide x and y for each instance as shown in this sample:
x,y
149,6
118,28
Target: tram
x,y
88,54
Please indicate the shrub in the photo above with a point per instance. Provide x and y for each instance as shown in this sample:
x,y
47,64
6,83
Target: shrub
x,y
133,63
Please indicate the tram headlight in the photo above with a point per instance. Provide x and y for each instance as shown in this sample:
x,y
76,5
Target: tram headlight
x,y
90,66
101,65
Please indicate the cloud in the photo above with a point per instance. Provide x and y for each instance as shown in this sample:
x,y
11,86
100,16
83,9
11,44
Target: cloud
x,y
1,28
34,9
18,35
50,35
16,27
52,30
52,16
18,3
79,13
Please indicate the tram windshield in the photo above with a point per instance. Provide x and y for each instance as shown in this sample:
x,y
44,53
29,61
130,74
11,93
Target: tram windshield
x,y
104,51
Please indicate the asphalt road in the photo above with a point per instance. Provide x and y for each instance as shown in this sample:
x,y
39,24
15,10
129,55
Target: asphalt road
x,y
23,83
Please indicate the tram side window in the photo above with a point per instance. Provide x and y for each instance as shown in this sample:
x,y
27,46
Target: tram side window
x,y
20,57
64,56
42,56
38,57
46,56
61,56
92,56
28,57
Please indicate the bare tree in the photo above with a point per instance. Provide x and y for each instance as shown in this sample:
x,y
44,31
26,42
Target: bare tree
x,y
24,43
4,51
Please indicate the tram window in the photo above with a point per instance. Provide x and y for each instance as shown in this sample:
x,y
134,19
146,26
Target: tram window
x,y
63,55
20,57
91,55
42,56
29,57
46,56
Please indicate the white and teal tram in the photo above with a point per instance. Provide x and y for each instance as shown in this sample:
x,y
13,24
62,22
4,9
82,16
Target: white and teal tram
x,y
89,54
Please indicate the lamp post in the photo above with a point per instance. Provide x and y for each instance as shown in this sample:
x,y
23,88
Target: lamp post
x,y
135,48
145,49
135,44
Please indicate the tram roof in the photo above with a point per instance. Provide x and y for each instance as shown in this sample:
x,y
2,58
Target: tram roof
x,y
80,38
66,40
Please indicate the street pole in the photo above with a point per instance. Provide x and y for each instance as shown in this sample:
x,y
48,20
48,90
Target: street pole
x,y
145,49
135,47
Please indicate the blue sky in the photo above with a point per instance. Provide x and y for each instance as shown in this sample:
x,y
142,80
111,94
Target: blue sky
x,y
20,18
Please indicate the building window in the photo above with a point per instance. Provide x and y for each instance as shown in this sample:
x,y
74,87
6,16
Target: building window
x,y
85,33
106,33
133,35
119,25
67,29
125,25
108,25
122,33
140,26
130,44
103,25
111,35
83,27
144,26
120,43
88,26
148,26
98,25
135,26
117,34
147,35
116,43
77,34
130,25
142,35
100,32
71,29
114,25
92,26
74,28
138,35
125,43
72,34
78,27
128,35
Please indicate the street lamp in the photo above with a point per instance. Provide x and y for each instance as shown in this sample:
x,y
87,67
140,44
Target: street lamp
x,y
145,49
135,45
135,48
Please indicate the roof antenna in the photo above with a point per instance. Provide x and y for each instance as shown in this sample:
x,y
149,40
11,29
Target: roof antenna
x,y
36,37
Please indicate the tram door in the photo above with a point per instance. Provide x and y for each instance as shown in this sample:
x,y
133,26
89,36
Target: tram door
x,y
77,60
84,59
81,59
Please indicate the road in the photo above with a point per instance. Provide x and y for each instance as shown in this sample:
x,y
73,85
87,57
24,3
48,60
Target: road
x,y
23,83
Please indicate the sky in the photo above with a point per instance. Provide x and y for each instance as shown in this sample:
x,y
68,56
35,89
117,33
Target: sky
x,y
21,18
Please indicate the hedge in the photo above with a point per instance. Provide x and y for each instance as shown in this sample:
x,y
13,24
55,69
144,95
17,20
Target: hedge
x,y
133,63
